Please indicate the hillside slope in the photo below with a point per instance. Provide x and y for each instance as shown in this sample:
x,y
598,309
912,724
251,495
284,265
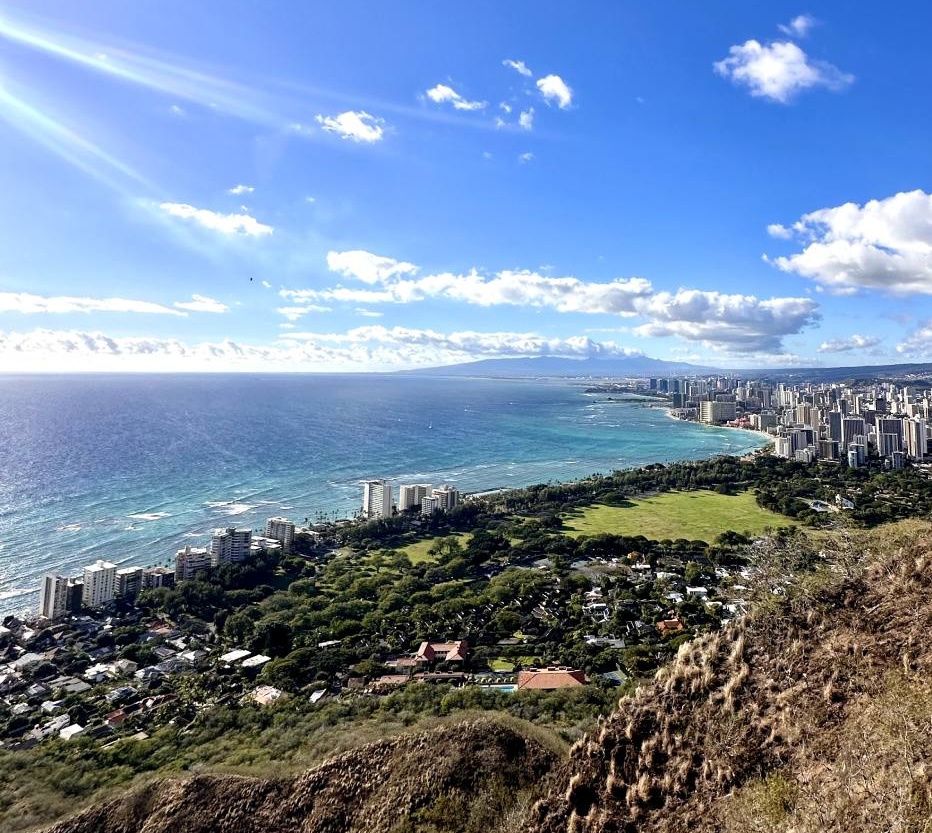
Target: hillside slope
x,y
814,715
463,776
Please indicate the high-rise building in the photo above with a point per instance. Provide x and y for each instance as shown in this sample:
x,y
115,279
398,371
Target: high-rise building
x,y
713,413
99,583
229,545
448,496
410,497
282,530
851,427
916,441
377,499
128,582
189,561
154,577
888,443
53,596
429,505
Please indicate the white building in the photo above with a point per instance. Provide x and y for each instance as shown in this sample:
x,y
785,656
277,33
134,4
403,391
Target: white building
x,y
282,530
53,596
190,561
229,545
377,499
410,497
448,496
99,583
429,505
916,439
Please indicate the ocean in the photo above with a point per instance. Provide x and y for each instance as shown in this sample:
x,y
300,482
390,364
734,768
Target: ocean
x,y
132,467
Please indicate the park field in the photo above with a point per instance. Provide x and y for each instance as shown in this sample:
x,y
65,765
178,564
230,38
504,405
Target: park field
x,y
418,551
697,516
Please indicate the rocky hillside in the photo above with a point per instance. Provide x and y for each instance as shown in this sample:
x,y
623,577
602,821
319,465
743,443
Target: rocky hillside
x,y
465,776
814,715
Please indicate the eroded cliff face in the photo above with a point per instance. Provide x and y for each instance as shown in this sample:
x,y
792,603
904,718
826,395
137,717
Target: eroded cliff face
x,y
461,776
814,715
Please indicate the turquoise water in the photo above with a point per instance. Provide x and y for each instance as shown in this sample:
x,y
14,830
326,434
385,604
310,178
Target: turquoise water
x,y
131,468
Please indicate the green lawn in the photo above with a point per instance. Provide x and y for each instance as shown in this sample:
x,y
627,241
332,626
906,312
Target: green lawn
x,y
698,516
417,552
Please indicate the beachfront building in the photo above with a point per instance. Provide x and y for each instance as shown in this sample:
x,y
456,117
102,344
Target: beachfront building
x,y
377,499
189,561
715,413
155,577
410,497
99,583
229,545
53,596
128,582
448,497
282,530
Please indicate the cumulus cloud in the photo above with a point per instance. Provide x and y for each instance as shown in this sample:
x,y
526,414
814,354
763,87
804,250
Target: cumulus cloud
x,y
367,267
846,345
363,349
357,126
526,119
240,189
201,303
518,66
524,158
798,27
778,71
231,224
918,344
780,232
392,283
554,89
29,304
884,244
442,94
733,323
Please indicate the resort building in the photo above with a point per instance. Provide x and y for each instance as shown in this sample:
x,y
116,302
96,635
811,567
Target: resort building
x,y
53,596
154,577
410,497
229,545
99,583
128,582
377,499
282,530
189,561
448,497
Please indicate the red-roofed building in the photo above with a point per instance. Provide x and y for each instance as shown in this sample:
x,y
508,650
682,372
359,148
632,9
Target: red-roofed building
x,y
548,679
669,626
442,651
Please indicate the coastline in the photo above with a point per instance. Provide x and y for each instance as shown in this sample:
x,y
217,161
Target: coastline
x,y
767,444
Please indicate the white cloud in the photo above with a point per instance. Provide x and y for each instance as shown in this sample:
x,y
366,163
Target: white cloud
x,y
266,284
780,232
201,303
367,267
370,348
526,119
240,189
524,158
29,304
884,244
798,27
517,66
554,88
442,94
733,323
238,224
310,199
294,313
357,126
779,70
368,313
918,344
175,110
846,345
505,107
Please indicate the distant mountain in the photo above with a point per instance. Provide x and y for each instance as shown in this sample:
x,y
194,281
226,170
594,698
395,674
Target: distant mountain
x,y
554,366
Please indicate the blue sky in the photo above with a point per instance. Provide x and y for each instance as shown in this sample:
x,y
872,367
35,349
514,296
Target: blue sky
x,y
359,186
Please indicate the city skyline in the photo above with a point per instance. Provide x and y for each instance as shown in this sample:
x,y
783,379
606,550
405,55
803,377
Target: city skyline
x,y
331,190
